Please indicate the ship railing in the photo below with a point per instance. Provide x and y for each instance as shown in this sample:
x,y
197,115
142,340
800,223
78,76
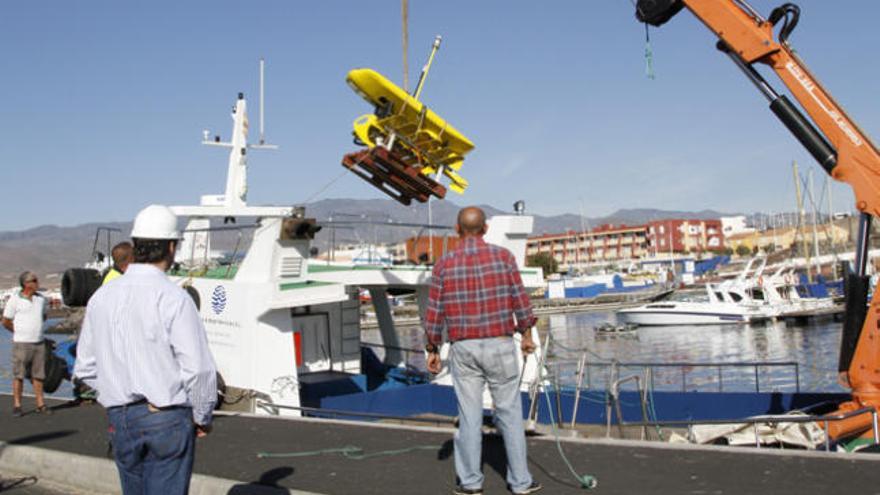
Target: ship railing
x,y
585,370
420,253
612,402
196,261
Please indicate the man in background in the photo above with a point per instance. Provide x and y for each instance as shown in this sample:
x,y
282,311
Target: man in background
x,y
24,315
122,254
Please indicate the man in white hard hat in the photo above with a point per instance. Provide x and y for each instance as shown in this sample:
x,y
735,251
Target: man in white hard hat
x,y
143,348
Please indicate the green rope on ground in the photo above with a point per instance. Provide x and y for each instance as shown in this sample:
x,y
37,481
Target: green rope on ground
x,y
587,481
352,452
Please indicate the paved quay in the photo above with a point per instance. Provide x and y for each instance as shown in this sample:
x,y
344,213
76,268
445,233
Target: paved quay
x,y
13,483
622,467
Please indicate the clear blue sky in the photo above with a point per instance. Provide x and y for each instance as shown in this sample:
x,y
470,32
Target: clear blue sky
x,y
105,102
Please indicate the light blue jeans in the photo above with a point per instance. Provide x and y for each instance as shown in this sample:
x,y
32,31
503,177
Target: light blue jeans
x,y
474,363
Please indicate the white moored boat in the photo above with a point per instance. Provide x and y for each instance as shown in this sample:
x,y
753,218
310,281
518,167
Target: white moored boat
x,y
688,313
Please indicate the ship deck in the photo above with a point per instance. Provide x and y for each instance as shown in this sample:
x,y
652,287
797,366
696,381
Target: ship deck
x,y
622,467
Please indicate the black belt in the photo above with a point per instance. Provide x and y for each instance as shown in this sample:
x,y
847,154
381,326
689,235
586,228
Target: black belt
x,y
145,402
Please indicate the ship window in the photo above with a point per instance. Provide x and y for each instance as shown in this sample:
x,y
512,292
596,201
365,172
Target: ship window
x,y
736,297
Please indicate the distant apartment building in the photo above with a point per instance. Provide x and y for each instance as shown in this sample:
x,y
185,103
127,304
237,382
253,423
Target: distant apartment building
x,y
685,236
622,244
784,238
426,250
580,250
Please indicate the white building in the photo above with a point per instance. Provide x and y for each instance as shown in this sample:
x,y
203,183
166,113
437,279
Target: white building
x,y
734,225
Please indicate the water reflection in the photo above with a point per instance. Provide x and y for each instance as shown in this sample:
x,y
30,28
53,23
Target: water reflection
x,y
813,347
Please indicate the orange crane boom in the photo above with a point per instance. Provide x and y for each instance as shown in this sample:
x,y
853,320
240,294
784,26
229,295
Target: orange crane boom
x,y
832,138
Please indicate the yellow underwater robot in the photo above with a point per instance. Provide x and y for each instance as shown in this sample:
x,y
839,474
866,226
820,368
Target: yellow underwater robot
x,y
408,146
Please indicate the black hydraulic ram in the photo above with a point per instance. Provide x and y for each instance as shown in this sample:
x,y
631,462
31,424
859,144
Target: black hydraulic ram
x,y
790,116
857,286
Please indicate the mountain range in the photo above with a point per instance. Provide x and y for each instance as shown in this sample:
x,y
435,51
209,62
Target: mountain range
x,y
50,249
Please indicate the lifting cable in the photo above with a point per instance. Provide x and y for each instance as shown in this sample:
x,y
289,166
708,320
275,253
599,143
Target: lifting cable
x,y
325,187
649,53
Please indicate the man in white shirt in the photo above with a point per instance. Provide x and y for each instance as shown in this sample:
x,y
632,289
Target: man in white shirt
x,y
24,315
144,349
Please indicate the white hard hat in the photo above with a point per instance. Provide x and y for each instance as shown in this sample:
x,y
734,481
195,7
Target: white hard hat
x,y
155,222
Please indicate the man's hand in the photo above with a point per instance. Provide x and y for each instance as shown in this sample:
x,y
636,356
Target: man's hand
x,y
203,430
527,344
434,362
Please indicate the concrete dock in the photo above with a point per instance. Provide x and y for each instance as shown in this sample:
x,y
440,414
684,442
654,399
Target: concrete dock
x,y
622,467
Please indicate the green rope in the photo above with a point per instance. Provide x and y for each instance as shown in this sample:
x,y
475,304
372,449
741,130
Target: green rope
x,y
652,411
587,481
352,452
649,55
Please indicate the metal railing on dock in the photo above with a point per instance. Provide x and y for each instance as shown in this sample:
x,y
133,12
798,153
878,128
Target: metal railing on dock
x,y
644,386
685,369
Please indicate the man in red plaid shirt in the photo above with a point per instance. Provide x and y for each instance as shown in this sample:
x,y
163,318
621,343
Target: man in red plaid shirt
x,y
477,294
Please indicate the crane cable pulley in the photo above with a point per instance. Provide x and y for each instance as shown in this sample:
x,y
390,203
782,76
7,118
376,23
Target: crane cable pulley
x,y
649,53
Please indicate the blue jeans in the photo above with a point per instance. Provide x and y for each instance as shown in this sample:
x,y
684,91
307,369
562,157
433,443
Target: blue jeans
x,y
475,363
153,450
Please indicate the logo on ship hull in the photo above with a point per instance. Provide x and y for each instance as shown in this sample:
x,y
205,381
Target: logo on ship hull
x,y
218,299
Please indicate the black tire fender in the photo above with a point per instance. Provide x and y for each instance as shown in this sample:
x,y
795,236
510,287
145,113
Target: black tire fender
x,y
78,285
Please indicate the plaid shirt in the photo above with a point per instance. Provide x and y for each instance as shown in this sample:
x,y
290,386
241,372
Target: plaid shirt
x,y
475,293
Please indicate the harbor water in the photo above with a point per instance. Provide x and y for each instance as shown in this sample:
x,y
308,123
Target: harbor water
x,y
687,350
814,347
65,391
692,353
